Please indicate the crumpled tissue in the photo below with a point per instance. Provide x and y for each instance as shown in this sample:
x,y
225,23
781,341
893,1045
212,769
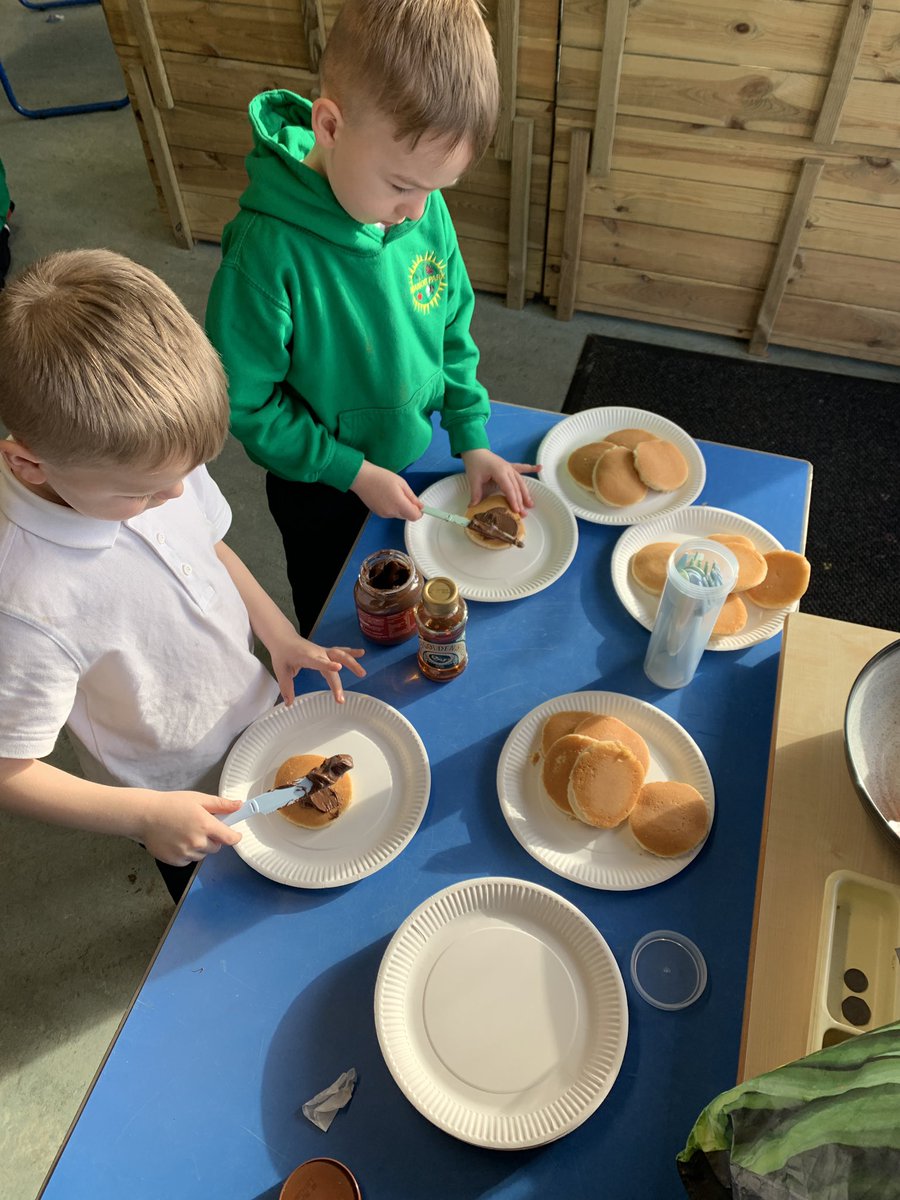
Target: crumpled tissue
x,y
324,1107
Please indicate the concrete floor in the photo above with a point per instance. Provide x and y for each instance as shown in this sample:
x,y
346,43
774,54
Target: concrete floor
x,y
84,913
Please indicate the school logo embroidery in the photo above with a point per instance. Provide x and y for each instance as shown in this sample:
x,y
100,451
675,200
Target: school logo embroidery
x,y
427,280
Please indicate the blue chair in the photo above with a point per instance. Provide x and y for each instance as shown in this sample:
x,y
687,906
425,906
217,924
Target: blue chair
x,y
66,110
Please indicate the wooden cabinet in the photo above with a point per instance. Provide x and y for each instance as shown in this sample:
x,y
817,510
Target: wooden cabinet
x,y
194,65
731,167
724,165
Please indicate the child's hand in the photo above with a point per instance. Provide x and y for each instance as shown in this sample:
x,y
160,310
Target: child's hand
x,y
386,494
181,827
294,653
484,467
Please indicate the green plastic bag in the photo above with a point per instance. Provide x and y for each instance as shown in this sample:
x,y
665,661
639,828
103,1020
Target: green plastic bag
x,y
826,1127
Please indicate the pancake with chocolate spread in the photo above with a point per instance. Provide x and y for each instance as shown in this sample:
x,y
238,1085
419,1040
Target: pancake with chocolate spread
x,y
494,513
329,798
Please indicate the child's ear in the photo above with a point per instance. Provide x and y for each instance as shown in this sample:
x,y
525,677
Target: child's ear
x,y
326,120
24,463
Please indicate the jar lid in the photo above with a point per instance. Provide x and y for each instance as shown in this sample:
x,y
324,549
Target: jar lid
x,y
441,595
668,970
326,1178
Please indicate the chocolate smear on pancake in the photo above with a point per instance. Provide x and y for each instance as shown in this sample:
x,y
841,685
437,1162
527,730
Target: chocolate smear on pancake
x,y
322,796
497,523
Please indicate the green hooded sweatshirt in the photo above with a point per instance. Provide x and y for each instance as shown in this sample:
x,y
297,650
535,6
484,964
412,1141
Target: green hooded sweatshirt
x,y
339,339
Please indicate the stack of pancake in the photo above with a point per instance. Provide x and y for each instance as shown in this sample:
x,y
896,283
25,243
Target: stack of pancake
x,y
620,469
770,581
593,769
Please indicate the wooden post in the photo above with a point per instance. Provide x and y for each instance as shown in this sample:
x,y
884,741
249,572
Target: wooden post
x,y
787,248
608,91
507,66
858,13
314,20
519,210
151,55
574,223
159,148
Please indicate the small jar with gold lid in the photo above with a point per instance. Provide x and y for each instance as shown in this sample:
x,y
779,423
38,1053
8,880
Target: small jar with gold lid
x,y
441,619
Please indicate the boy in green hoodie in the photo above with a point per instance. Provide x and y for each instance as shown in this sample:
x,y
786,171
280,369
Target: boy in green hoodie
x,y
341,309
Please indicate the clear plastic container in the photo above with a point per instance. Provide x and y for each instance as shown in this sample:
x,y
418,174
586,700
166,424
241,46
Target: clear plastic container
x,y
699,576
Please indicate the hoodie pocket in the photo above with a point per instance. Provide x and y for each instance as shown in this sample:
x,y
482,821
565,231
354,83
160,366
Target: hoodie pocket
x,y
393,437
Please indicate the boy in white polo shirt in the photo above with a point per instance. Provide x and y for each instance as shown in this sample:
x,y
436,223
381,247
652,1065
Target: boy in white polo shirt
x,y
123,614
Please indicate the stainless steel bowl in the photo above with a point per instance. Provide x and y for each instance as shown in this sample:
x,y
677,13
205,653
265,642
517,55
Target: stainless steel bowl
x,y
872,738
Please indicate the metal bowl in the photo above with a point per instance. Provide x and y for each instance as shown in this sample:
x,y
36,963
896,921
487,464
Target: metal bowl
x,y
872,738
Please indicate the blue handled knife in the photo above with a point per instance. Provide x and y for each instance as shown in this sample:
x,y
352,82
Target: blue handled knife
x,y
269,802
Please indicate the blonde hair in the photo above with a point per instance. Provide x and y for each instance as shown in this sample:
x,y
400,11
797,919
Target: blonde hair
x,y
428,65
102,363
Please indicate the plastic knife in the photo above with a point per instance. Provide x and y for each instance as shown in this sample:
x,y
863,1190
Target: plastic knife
x,y
268,802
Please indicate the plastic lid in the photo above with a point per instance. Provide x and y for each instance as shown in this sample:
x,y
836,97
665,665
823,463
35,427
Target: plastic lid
x,y
441,595
668,970
326,1178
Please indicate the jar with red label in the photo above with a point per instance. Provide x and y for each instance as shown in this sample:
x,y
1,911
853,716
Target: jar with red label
x,y
386,595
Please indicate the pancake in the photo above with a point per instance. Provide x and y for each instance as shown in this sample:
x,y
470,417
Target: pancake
x,y
304,814
660,465
611,729
649,566
558,764
559,725
630,437
669,818
616,482
485,505
604,784
732,618
726,538
580,463
751,564
787,578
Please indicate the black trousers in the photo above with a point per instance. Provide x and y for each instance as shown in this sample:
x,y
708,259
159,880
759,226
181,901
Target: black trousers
x,y
318,527
176,879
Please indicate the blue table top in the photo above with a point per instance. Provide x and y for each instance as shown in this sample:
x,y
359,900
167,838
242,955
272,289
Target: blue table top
x,y
261,994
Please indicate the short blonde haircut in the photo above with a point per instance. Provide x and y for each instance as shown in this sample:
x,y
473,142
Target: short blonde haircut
x,y
101,363
428,65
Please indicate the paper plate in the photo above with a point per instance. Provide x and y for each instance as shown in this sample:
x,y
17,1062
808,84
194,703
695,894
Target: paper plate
x,y
590,426
501,1013
610,859
762,623
439,548
391,781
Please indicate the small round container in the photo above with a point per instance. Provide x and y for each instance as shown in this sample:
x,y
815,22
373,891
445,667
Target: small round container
x,y
668,970
323,1178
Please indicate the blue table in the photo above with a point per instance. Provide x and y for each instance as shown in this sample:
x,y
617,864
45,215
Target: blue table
x,y
260,994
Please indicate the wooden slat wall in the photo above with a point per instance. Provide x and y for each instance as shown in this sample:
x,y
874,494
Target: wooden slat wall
x,y
216,56
717,110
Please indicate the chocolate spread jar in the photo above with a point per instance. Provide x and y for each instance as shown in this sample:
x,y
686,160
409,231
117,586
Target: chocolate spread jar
x,y
322,1178
386,595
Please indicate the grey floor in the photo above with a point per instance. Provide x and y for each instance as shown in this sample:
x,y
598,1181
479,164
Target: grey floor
x,y
83,914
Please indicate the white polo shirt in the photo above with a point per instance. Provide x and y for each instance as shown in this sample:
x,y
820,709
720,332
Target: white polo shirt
x,y
131,633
